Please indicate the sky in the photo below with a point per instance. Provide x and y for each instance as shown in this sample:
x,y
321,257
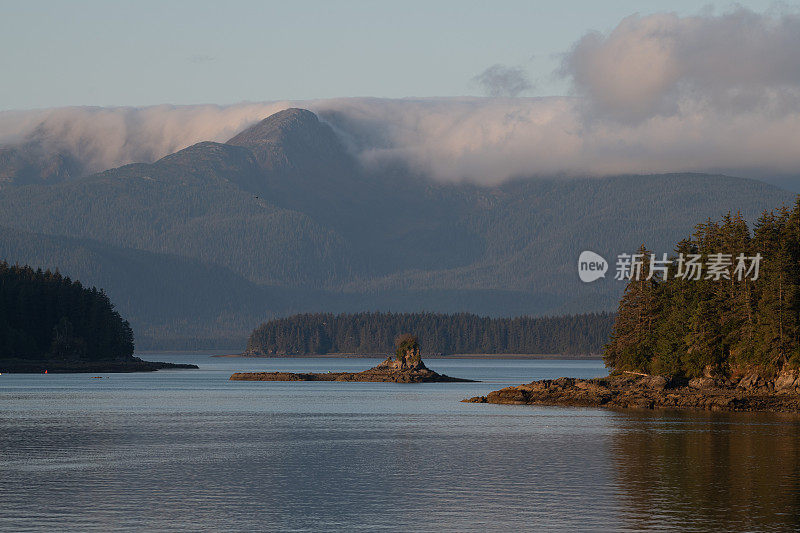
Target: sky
x,y
461,91
139,53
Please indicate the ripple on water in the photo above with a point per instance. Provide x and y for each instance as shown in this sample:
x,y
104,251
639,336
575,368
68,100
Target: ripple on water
x,y
142,452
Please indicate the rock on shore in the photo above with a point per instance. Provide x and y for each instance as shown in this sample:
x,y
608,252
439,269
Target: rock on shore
x,y
748,393
390,370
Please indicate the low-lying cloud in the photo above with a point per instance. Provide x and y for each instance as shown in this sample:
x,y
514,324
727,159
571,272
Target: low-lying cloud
x,y
659,93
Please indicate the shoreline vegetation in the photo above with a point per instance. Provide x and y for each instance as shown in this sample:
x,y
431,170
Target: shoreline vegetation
x,y
715,342
442,334
50,323
405,367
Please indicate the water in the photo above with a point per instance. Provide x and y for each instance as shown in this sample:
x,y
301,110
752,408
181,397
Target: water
x,y
190,450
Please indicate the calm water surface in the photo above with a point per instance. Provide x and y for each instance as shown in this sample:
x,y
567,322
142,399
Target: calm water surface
x,y
190,450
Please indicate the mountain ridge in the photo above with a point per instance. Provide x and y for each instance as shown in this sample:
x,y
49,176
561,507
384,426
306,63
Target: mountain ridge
x,y
326,234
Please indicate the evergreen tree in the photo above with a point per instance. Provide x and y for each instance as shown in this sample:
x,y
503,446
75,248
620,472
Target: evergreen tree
x,y
45,316
731,318
632,338
374,333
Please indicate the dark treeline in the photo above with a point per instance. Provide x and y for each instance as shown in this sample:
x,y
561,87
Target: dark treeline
x,y
717,327
462,333
45,316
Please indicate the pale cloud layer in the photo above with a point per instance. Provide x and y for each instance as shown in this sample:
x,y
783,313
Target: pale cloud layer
x,y
659,93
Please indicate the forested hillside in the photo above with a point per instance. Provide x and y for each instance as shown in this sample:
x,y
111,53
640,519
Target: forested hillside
x,y
171,301
45,316
717,324
461,333
282,219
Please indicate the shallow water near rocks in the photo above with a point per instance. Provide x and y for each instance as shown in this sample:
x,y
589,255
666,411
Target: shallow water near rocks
x,y
190,450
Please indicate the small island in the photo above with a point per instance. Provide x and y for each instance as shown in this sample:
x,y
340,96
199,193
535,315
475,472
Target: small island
x,y
364,334
405,367
725,339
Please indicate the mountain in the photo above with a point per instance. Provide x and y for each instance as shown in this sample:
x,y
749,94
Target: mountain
x,y
39,158
31,163
293,142
164,296
282,218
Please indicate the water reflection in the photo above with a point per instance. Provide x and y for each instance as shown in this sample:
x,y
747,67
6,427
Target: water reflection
x,y
718,471
199,452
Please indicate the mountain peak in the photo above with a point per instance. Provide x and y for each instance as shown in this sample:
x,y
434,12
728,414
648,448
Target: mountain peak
x,y
292,139
289,122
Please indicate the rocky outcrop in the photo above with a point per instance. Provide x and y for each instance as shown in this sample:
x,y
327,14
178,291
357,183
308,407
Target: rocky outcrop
x,y
390,370
748,393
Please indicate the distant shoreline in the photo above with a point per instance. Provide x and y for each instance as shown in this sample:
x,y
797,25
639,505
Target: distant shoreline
x,y
57,366
451,356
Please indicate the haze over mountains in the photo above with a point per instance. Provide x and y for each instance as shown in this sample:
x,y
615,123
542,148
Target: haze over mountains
x,y
200,246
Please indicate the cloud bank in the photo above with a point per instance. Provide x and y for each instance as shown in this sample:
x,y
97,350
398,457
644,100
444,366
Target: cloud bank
x,y
658,93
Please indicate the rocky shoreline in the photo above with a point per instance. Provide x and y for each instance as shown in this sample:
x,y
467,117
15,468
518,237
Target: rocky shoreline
x,y
19,366
747,393
389,371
